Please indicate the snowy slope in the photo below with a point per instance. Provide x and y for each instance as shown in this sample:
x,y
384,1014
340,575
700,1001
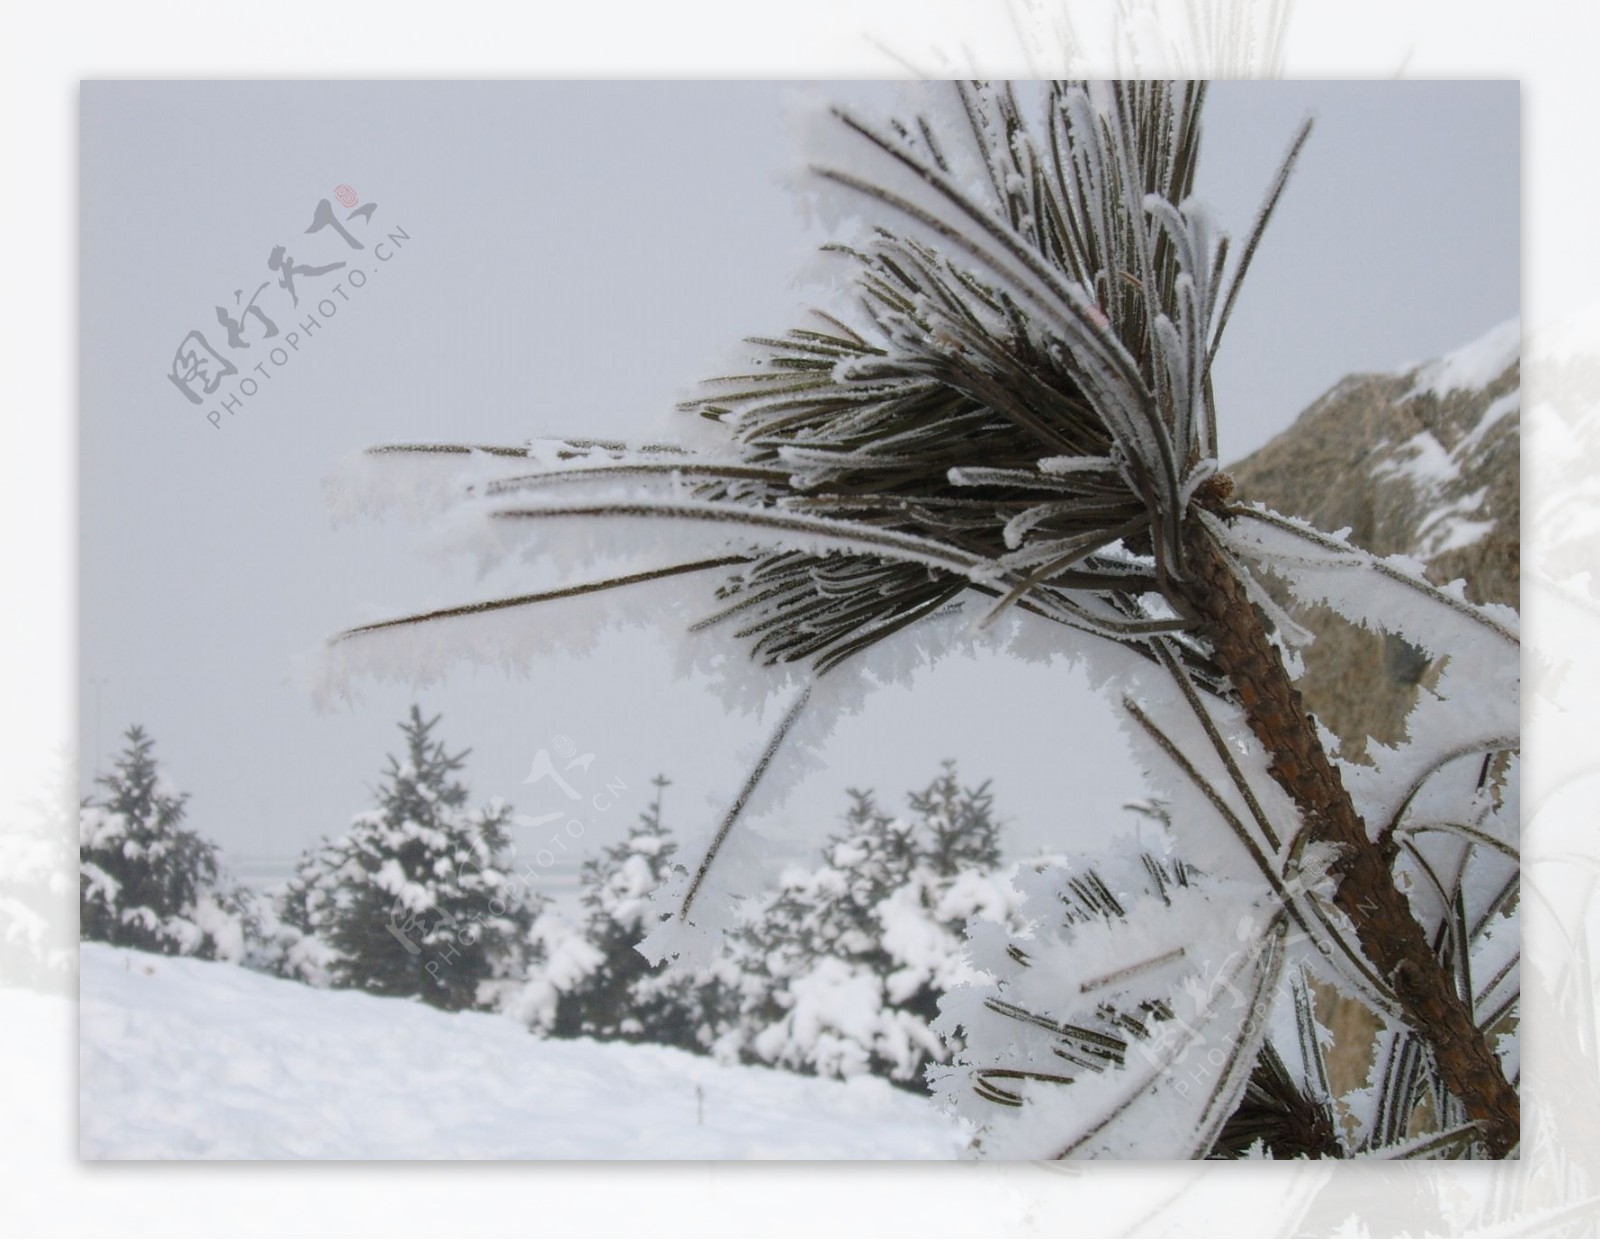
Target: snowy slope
x,y
182,1058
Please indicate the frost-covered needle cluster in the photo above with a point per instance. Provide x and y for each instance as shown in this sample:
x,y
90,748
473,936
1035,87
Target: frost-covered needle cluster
x,y
1010,421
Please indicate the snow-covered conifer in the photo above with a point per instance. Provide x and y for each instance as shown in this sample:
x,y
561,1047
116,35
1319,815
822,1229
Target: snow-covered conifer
x,y
847,962
623,996
417,897
959,823
144,879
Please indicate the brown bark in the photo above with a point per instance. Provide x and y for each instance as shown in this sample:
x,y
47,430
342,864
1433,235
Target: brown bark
x,y
1366,891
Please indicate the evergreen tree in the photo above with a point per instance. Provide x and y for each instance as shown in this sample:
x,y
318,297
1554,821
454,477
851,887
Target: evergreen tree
x,y
959,823
845,966
145,880
415,898
623,996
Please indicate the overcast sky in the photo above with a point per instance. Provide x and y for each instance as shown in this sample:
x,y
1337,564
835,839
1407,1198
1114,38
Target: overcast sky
x,y
579,256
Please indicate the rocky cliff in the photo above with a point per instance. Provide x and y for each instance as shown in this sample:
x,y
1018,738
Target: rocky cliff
x,y
1425,461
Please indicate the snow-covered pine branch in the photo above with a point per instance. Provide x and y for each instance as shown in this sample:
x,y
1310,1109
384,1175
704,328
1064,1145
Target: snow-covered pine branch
x,y
1011,414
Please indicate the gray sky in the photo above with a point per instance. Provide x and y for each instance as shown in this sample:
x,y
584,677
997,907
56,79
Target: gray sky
x,y
580,255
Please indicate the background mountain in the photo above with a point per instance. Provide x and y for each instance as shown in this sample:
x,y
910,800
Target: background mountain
x,y
1424,462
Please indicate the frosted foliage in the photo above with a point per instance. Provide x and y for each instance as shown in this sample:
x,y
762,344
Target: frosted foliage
x,y
422,484
562,959
998,439
580,505
1478,644
422,655
1222,804
1123,1022
850,997
839,971
837,1023
593,982
902,660
417,897
148,881
790,557
696,938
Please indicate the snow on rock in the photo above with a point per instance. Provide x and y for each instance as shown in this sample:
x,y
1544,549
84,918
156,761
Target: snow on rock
x,y
1403,460
1423,463
1473,366
183,1058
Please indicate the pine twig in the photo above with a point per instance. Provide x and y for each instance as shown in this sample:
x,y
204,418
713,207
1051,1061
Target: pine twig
x,y
1366,891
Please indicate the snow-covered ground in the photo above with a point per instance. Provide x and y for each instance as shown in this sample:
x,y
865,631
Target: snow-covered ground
x,y
183,1058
